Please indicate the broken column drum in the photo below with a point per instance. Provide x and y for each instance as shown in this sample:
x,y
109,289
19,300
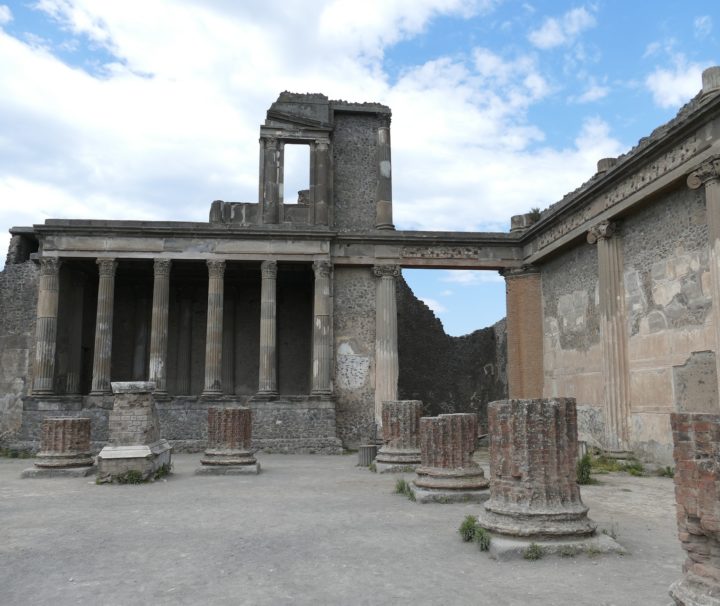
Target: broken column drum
x,y
447,443
401,433
229,437
696,440
64,442
533,485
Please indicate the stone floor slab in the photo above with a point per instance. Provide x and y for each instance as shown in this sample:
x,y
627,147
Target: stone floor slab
x,y
507,548
228,470
54,472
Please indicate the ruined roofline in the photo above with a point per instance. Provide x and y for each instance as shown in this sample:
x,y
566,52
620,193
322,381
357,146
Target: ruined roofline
x,y
701,109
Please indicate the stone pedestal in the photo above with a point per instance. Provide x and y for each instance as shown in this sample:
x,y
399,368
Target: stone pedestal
x,y
229,448
533,452
447,472
64,449
401,436
135,442
696,439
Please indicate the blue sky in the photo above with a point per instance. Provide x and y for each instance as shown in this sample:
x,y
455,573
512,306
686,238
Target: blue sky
x,y
150,109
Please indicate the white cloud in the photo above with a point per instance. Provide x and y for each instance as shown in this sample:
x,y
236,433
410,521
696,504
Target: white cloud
x,y
468,277
5,14
562,30
434,305
593,92
447,293
676,84
703,26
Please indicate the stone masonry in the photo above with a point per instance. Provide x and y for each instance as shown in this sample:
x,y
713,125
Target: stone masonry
x,y
533,488
697,493
401,436
65,442
448,472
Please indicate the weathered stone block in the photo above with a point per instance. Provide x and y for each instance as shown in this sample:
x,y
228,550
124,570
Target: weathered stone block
x,y
401,435
64,449
229,439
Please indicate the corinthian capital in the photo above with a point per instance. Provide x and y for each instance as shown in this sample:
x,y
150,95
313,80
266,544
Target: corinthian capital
x,y
601,231
49,266
106,267
216,268
321,269
707,171
386,271
162,267
269,269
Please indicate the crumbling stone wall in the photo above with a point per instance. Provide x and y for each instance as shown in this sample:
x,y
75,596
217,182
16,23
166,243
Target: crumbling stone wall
x,y
449,374
18,300
355,170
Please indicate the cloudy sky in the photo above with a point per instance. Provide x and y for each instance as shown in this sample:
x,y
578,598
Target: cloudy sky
x,y
150,109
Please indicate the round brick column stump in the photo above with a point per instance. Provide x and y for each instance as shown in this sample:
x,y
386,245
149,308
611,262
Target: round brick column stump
x,y
229,437
64,443
447,443
696,441
401,433
533,486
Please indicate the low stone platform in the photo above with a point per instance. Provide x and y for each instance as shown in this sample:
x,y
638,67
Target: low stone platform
x,y
511,548
146,459
228,470
394,467
436,495
59,472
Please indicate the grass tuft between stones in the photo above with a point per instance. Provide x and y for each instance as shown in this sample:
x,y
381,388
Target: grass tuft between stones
x,y
533,552
402,487
470,530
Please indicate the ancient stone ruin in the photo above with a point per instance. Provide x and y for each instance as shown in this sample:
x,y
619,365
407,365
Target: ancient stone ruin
x,y
697,493
64,449
447,472
401,436
136,446
229,449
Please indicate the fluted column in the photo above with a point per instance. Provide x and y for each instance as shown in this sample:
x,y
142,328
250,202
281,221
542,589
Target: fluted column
x,y
159,325
383,196
229,437
141,334
320,166
523,300
102,357
322,330
270,195
46,327
77,298
708,175
213,342
613,336
386,353
228,360
184,342
267,385
401,433
64,442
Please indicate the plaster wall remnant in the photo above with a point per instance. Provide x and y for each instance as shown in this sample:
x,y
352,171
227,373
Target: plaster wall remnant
x,y
314,356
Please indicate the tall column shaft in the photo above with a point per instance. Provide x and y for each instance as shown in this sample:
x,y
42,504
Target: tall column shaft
x,y
267,384
383,198
319,182
386,352
141,335
322,330
184,344
228,359
523,299
77,298
213,342
271,192
159,324
613,336
709,175
46,327
102,357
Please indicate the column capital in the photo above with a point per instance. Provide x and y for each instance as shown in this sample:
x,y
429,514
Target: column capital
x,y
161,267
707,171
322,144
106,267
271,142
216,268
519,272
322,268
49,266
386,271
269,269
602,231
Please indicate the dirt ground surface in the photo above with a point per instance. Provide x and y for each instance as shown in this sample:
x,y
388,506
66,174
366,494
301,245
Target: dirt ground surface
x,y
307,530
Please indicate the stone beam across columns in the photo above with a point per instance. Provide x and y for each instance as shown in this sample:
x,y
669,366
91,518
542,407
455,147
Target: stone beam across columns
x,y
159,325
523,299
386,343
322,330
213,341
267,383
46,327
102,357
708,175
613,335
